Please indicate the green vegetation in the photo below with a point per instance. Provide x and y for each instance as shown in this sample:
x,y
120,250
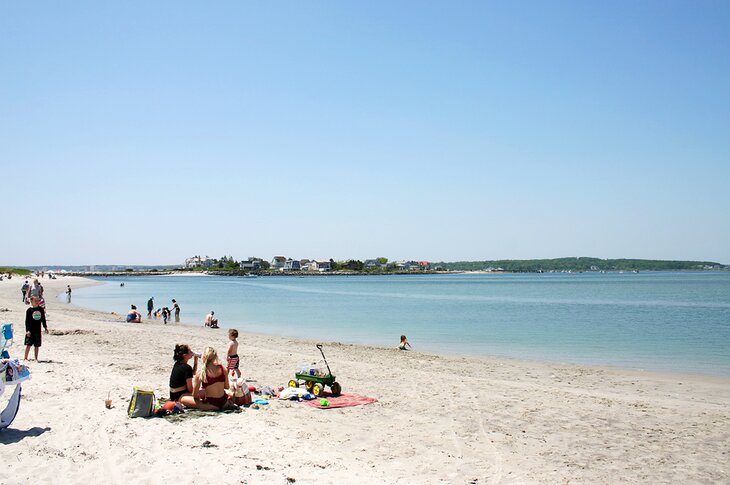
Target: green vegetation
x,y
17,271
224,264
227,263
578,264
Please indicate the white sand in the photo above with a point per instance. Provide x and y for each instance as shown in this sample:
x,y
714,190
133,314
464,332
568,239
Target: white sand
x,y
438,419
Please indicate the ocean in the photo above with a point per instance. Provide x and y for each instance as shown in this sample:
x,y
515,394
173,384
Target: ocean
x,y
677,322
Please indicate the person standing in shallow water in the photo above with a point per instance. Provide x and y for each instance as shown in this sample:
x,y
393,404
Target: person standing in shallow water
x,y
176,307
150,306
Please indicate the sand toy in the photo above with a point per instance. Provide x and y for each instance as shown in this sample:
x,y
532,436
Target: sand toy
x,y
315,380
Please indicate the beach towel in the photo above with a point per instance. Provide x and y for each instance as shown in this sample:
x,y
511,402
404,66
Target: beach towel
x,y
193,413
341,401
13,372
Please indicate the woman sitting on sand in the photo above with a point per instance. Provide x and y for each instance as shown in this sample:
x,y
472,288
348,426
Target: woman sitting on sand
x,y
403,343
213,379
181,378
134,316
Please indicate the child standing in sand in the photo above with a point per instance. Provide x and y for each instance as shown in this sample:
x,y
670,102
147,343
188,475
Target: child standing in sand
x,y
35,316
233,352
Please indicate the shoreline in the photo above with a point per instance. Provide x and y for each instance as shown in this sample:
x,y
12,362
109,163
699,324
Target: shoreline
x,y
495,360
438,418
658,367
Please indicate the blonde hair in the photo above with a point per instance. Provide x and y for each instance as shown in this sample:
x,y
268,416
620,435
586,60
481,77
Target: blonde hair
x,y
209,356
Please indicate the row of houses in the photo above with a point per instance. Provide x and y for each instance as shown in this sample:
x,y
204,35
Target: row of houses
x,y
283,263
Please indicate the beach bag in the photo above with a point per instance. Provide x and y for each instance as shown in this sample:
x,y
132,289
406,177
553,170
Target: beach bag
x,y
142,404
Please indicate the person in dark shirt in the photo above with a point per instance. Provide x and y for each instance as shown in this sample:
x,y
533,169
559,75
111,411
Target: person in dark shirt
x,y
181,378
35,316
150,306
24,290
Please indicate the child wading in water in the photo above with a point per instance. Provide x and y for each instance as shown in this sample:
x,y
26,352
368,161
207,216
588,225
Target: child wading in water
x,y
233,352
403,343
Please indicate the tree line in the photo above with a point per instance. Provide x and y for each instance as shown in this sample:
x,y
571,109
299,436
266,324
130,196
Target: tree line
x,y
578,264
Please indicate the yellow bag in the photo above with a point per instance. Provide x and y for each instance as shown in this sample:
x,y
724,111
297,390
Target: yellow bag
x,y
142,404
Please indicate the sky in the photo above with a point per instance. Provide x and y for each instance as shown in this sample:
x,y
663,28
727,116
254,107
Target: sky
x,y
147,132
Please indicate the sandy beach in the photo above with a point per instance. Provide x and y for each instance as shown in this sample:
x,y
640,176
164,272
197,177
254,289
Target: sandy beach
x,y
438,419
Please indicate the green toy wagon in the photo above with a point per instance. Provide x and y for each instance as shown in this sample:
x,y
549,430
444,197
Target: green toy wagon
x,y
316,383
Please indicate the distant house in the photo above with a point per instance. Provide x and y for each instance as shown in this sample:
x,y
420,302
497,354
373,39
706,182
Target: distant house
x,y
292,265
251,264
197,262
411,266
278,262
371,264
321,266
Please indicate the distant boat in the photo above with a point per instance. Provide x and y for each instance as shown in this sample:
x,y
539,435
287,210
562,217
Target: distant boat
x,y
250,275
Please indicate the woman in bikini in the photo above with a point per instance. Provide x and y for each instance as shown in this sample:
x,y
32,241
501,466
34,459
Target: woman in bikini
x,y
213,379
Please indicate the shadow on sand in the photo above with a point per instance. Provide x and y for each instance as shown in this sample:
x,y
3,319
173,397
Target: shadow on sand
x,y
10,435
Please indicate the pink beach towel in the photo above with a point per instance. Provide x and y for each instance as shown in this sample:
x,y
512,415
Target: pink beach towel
x,y
341,401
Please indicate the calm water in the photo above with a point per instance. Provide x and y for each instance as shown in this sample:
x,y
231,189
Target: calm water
x,y
658,321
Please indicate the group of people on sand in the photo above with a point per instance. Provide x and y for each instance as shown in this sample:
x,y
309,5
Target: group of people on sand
x,y
34,290
207,384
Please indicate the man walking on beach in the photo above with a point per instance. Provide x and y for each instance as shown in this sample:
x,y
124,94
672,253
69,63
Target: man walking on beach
x,y
24,290
150,306
68,293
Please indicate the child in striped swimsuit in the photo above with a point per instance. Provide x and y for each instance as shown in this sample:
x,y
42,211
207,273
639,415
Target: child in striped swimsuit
x,y
232,353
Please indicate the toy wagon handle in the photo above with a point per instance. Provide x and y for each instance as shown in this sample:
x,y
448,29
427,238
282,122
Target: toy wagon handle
x,y
319,346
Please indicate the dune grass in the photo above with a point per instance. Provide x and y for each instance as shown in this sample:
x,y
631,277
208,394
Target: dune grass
x,y
16,271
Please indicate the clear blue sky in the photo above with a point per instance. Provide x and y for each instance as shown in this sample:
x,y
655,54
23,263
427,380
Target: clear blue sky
x,y
146,132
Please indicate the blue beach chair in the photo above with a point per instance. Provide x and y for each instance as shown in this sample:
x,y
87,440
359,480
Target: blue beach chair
x,y
6,340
